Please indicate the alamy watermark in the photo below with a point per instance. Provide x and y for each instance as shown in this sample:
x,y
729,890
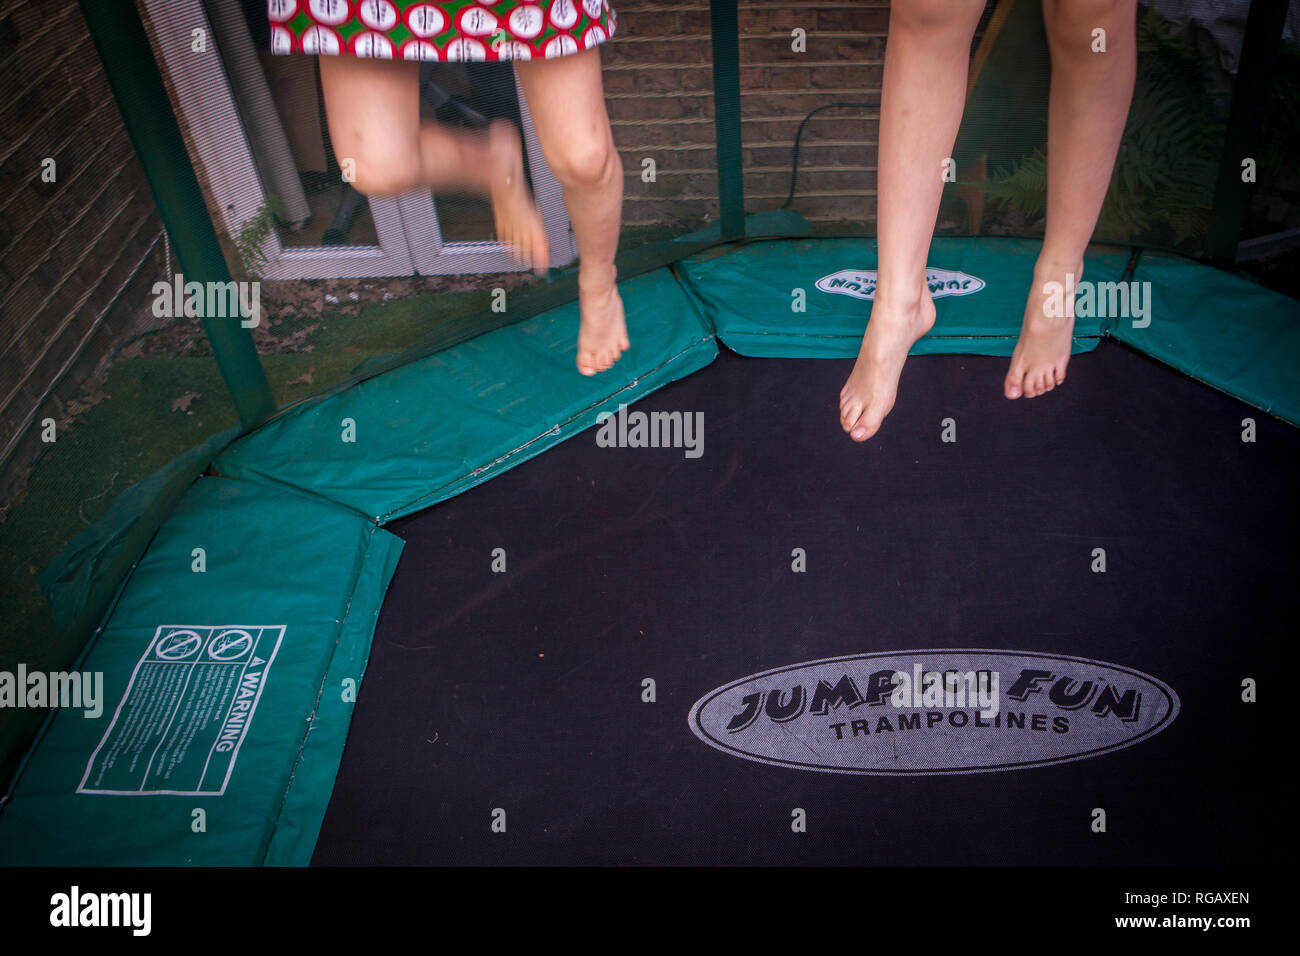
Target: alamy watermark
x,y
77,908
208,300
1102,300
62,689
638,429
946,689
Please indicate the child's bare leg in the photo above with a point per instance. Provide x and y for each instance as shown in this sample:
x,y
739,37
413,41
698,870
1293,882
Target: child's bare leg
x,y
567,100
373,110
1087,110
926,61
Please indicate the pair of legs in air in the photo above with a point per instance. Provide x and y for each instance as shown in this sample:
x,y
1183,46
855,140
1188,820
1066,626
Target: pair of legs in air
x,y
373,110
926,63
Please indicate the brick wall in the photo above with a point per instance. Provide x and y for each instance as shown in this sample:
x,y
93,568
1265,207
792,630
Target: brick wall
x,y
843,63
659,84
67,247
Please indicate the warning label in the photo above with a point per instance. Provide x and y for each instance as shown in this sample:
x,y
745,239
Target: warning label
x,y
186,711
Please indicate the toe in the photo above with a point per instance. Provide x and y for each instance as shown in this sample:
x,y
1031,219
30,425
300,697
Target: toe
x,y
869,421
1013,386
864,428
850,411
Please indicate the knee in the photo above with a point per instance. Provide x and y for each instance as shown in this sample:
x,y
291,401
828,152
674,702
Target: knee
x,y
378,173
1071,24
935,17
583,162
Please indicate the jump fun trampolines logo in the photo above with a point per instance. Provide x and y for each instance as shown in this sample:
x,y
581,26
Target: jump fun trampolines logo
x,y
934,712
861,284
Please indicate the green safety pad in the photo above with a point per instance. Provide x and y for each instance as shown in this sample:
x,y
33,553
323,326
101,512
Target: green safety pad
x,y
419,434
749,293
223,691
81,582
1220,329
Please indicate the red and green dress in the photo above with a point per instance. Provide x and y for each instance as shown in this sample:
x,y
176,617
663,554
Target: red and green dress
x,y
450,30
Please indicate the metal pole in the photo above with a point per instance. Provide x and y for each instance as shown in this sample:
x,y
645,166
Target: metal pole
x,y
1255,66
725,25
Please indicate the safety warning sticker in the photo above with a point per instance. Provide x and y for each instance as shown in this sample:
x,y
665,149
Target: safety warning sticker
x,y
186,711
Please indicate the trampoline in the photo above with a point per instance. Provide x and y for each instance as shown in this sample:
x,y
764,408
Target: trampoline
x,y
523,690
465,606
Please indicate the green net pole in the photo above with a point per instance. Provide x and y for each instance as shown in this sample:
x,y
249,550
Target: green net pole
x,y
1255,67
137,87
725,25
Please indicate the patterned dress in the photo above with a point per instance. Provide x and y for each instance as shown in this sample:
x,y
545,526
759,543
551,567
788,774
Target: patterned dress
x,y
451,30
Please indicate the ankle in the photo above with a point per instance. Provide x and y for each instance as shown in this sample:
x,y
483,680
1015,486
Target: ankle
x,y
899,297
1057,266
597,277
900,310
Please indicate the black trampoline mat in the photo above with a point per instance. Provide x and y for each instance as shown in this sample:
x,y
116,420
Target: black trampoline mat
x,y
523,690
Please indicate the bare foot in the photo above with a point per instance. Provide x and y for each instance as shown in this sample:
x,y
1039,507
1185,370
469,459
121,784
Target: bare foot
x,y
868,395
518,223
1043,349
602,337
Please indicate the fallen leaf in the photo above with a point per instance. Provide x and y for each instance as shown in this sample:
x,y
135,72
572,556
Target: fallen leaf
x,y
182,404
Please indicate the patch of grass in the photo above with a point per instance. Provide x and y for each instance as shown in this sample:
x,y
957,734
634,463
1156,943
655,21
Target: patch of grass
x,y
383,328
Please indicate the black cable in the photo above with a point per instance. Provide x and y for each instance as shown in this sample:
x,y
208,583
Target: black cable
x,y
794,160
1134,256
